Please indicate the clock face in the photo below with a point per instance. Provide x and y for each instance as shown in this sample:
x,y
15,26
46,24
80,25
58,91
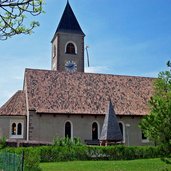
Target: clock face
x,y
70,66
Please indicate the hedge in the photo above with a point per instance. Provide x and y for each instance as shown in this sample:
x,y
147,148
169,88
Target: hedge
x,y
66,153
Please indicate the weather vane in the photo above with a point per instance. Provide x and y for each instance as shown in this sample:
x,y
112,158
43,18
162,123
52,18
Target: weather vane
x,y
88,63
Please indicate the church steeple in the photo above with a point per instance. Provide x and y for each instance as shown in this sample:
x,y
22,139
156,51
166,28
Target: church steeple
x,y
68,22
68,43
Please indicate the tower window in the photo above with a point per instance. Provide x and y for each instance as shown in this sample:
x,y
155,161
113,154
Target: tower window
x,y
70,48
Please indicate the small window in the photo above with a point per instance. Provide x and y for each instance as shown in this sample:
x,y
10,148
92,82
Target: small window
x,y
19,129
121,127
13,129
54,51
68,129
94,131
70,48
144,138
16,129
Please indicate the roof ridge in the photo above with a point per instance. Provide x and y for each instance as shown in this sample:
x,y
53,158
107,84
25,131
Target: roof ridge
x,y
88,73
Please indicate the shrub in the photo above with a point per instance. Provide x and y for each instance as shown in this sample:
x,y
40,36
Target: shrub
x,y
120,152
2,142
68,153
64,153
31,156
66,142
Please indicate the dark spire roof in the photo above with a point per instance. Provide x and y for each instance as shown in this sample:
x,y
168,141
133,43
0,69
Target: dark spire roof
x,y
111,130
68,22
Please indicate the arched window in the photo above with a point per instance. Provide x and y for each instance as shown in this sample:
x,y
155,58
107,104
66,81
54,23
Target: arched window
x,y
68,129
13,129
121,127
94,131
144,138
54,51
19,129
16,127
70,48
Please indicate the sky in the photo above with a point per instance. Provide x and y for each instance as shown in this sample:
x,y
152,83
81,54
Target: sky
x,y
125,37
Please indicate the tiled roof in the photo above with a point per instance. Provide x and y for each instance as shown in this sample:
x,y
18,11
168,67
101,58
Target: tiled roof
x,y
68,22
111,130
16,105
85,93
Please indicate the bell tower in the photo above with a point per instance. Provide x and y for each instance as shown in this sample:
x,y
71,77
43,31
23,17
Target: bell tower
x,y
68,44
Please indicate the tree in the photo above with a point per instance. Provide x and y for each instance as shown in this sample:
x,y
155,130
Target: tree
x,y
157,125
13,14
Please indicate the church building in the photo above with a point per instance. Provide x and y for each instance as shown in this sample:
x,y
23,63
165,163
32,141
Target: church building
x,y
67,102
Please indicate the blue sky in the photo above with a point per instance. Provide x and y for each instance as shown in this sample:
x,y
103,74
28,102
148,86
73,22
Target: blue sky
x,y
125,37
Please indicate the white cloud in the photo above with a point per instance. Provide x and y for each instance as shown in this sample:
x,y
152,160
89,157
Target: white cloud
x,y
97,69
150,74
18,78
5,96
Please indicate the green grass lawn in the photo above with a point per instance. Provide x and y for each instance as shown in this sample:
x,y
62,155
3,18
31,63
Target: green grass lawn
x,y
131,165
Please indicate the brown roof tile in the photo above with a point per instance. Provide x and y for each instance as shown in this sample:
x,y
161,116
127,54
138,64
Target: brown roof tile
x,y
16,105
84,93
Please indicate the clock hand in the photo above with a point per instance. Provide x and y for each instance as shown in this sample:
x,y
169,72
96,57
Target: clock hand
x,y
71,65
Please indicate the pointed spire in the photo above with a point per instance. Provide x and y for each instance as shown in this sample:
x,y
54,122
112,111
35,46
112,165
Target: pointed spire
x,y
68,22
111,130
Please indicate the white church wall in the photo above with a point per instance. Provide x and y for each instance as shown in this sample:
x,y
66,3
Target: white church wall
x,y
5,126
45,127
132,131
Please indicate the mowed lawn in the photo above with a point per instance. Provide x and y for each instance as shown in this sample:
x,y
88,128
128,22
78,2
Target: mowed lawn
x,y
131,165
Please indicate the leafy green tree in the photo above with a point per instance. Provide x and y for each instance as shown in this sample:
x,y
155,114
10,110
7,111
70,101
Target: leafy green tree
x,y
13,15
157,125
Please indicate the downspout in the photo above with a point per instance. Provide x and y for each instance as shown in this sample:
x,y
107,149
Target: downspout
x,y
28,117
27,109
